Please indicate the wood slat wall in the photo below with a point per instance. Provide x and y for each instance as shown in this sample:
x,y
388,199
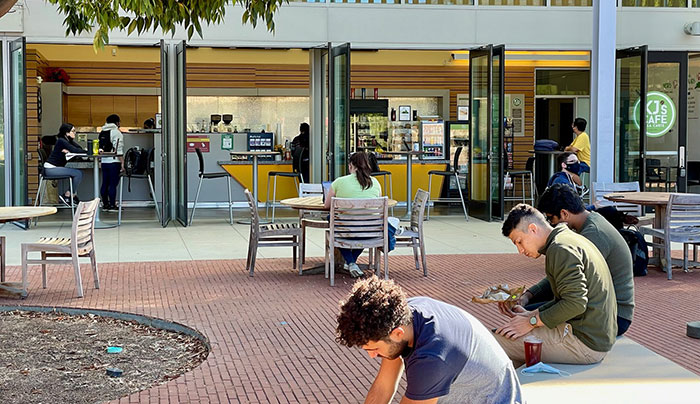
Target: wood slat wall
x,y
34,64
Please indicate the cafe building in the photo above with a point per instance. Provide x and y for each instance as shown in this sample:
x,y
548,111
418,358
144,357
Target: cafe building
x,y
472,82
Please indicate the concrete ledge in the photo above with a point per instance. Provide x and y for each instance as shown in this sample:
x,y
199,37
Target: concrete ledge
x,y
630,373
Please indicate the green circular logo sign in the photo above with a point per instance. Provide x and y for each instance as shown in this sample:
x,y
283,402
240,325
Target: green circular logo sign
x,y
660,114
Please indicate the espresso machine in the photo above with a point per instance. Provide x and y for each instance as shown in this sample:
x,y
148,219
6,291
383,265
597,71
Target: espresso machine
x,y
215,119
227,118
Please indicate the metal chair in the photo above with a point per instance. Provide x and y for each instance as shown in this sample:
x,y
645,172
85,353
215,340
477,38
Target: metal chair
x,y
42,184
354,224
294,174
146,176
387,191
269,235
526,181
450,173
309,218
210,176
413,236
80,244
682,225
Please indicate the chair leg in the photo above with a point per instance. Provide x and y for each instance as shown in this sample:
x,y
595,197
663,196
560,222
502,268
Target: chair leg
x,y
385,252
302,247
95,272
25,280
43,270
37,200
415,253
72,205
299,256
121,195
331,262
430,189
196,198
2,258
253,254
250,245
391,193
274,198
295,248
267,199
377,266
669,261
461,197
369,258
327,254
78,279
685,257
230,204
422,255
153,194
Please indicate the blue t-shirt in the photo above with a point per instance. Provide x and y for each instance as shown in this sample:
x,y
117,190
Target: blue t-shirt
x,y
560,177
456,358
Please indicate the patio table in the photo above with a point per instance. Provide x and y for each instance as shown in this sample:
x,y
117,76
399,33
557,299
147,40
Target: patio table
x,y
409,177
254,155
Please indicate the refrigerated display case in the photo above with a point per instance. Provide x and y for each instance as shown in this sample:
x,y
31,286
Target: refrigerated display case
x,y
458,135
433,139
403,135
369,125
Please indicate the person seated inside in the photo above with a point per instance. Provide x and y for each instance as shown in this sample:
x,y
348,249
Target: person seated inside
x,y
358,184
560,204
579,325
568,165
447,354
55,164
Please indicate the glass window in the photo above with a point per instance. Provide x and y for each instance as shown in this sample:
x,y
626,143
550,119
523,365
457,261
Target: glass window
x,y
512,2
446,2
571,3
563,82
655,3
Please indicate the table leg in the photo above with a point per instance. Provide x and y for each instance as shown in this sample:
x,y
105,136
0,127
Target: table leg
x,y
255,191
96,187
658,258
551,166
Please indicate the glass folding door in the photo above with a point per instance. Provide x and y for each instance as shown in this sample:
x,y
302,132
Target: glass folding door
x,y
630,95
338,109
18,122
180,132
486,77
166,133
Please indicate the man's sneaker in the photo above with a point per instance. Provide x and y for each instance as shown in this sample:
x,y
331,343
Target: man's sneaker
x,y
64,200
355,270
76,201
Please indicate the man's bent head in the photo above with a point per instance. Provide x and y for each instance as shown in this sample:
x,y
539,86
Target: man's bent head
x,y
527,228
374,317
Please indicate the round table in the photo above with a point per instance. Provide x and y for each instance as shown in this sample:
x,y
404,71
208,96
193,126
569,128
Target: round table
x,y
11,214
254,154
315,203
409,176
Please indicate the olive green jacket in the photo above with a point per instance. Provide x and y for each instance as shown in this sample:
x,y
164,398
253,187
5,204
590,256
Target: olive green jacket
x,y
584,295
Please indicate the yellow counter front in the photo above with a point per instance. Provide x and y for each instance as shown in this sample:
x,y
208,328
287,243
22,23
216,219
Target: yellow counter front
x,y
397,168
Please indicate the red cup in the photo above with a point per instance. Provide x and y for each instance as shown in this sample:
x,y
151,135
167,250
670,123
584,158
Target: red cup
x,y
533,350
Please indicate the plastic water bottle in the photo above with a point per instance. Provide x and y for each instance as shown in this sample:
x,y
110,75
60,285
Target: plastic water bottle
x,y
95,147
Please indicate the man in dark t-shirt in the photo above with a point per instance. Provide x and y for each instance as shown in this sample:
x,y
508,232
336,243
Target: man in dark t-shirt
x,y
447,353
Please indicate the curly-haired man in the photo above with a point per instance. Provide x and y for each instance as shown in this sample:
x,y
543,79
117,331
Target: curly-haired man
x,y
448,354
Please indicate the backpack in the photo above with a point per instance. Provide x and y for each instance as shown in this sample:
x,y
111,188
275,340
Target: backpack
x,y
105,140
639,249
136,162
546,145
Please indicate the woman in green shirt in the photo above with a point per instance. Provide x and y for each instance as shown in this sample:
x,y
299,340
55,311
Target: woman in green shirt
x,y
358,184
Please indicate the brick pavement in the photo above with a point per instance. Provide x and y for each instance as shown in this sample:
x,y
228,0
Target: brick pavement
x,y
272,336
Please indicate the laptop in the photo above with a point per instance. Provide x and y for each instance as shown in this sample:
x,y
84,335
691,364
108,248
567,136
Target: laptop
x,y
326,189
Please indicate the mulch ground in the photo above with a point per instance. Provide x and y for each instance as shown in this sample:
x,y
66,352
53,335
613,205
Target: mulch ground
x,y
272,336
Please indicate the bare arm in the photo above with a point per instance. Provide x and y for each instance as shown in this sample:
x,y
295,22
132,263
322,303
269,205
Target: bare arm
x,y
571,149
331,194
386,382
409,401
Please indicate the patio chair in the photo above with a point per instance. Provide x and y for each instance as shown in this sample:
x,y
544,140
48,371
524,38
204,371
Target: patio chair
x,y
354,224
80,244
269,235
148,175
682,225
413,236
210,176
600,189
309,218
448,174
43,178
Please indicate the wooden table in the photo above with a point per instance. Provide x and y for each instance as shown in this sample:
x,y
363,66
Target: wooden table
x,y
659,200
99,224
254,154
11,214
409,177
315,203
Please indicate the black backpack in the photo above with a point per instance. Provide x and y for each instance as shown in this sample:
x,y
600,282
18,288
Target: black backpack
x,y
136,162
105,140
639,249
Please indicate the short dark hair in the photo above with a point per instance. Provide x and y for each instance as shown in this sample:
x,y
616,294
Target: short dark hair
x,y
558,197
580,124
522,215
374,308
114,118
304,128
561,159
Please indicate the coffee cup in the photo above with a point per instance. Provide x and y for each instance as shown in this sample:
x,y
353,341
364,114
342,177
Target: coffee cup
x,y
533,350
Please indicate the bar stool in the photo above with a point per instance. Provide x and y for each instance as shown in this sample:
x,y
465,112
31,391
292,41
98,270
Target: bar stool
x,y
210,176
146,176
42,184
295,174
525,176
454,172
387,191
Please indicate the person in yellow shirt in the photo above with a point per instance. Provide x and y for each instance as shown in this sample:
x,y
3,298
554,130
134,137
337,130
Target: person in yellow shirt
x,y
581,145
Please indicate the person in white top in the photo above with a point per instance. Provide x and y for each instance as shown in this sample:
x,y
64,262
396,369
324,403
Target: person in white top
x,y
111,166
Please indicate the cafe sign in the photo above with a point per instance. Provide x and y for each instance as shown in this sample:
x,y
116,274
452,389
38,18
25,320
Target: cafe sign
x,y
660,114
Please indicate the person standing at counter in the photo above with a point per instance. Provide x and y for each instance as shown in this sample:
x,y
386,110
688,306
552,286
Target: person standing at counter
x,y
55,164
301,156
111,166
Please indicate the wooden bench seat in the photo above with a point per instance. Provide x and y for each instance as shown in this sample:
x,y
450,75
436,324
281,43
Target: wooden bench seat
x,y
630,373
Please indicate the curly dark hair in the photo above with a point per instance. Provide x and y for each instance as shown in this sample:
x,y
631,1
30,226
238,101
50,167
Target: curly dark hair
x,y
558,197
374,308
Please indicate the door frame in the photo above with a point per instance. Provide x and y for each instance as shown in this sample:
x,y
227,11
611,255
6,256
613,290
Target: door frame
x,y
334,52
486,204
